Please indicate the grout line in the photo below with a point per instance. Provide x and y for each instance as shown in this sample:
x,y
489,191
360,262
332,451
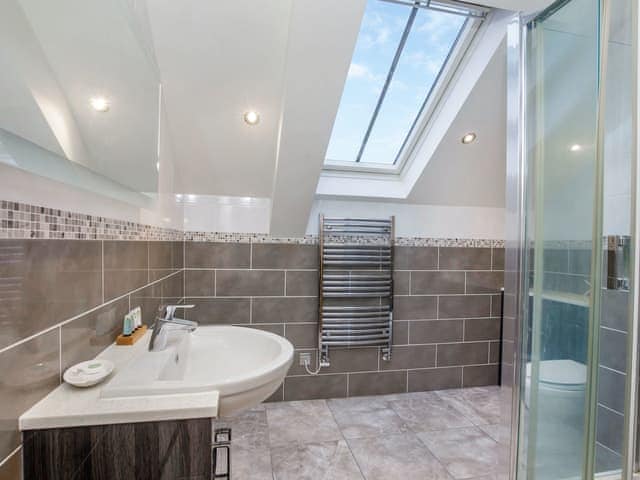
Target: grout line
x,y
604,327
610,409
82,314
612,369
285,283
102,266
11,454
60,355
492,259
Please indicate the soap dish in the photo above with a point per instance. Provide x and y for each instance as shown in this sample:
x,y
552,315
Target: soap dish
x,y
87,374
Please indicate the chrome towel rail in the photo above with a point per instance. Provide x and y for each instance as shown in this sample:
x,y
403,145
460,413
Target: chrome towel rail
x,y
356,284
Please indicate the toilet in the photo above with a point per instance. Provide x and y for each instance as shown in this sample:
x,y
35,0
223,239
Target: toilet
x,y
560,416
561,389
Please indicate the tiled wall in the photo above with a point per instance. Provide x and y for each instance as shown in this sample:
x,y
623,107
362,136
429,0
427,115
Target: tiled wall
x,y
446,324
63,301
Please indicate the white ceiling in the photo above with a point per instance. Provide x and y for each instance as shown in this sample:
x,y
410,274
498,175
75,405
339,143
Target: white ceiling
x,y
473,174
219,59
59,55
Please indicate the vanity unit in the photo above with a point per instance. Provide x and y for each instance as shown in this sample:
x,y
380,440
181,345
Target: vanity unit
x,y
152,418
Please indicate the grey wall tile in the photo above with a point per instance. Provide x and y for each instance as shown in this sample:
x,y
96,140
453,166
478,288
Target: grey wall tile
x,y
464,306
321,386
496,305
613,349
463,258
415,258
161,255
249,283
484,282
435,379
119,282
302,283
277,328
494,352
284,310
401,283
11,469
580,261
434,283
414,308
199,283
211,311
217,255
400,332
556,260
126,255
452,354
611,389
480,375
34,372
481,329
173,286
497,262
615,309
178,254
606,460
377,383
85,337
43,282
149,300
435,331
302,335
276,255
352,360
410,356
610,429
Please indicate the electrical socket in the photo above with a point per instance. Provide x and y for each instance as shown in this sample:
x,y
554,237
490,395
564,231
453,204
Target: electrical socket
x,y
305,358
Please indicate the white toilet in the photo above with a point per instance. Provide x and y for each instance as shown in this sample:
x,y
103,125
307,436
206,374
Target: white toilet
x,y
560,415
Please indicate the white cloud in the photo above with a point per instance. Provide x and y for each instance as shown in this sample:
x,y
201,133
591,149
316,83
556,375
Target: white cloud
x,y
357,70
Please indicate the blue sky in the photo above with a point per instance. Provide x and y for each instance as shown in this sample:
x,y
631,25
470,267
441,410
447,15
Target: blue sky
x,y
427,46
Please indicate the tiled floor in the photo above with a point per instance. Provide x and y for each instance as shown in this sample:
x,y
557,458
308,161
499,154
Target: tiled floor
x,y
450,434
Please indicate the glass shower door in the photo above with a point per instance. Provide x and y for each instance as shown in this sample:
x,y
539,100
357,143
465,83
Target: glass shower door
x,y
576,306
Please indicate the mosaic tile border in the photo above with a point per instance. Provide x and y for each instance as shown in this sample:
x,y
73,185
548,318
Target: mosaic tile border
x,y
21,220
193,236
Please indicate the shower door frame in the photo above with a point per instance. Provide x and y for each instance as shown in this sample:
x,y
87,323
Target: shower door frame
x,y
516,241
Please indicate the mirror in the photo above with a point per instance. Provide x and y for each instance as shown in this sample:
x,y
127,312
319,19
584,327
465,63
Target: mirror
x,y
80,94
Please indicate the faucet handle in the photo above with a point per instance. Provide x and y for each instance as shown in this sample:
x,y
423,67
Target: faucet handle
x,y
170,310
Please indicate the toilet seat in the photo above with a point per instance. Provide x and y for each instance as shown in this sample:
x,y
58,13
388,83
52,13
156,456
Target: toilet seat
x,y
566,375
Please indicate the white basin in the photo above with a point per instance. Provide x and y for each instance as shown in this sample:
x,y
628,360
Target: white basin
x,y
244,365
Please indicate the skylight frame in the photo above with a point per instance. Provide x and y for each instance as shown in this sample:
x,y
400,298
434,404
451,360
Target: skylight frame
x,y
475,15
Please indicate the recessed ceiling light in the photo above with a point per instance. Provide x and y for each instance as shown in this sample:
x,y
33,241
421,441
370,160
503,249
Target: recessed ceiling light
x,y
252,117
575,148
100,104
468,138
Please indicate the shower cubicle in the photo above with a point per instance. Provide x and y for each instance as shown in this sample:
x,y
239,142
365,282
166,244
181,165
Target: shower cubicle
x,y
571,262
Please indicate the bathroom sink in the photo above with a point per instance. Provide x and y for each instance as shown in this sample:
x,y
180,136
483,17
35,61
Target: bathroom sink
x,y
244,365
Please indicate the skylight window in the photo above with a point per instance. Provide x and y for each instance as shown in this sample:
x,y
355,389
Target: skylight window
x,y
402,50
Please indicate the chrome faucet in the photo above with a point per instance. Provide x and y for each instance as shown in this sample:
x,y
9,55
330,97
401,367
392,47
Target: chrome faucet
x,y
158,340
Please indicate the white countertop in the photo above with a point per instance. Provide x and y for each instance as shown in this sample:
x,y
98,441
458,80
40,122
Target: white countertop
x,y
69,406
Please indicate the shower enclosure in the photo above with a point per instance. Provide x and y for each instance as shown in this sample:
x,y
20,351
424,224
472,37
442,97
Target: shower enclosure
x,y
570,304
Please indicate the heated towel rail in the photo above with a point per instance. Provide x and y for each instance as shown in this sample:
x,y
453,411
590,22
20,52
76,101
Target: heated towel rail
x,y
356,284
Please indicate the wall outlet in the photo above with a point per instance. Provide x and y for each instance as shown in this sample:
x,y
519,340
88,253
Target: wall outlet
x,y
305,358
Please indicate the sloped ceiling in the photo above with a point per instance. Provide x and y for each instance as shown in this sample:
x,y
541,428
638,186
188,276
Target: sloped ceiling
x,y
472,174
